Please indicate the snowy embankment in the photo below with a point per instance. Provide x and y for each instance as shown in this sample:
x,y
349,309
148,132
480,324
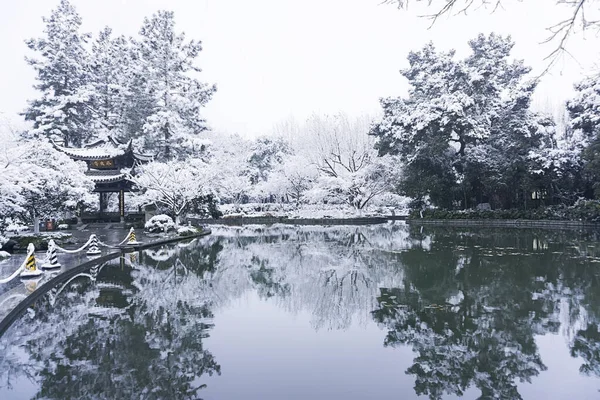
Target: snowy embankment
x,y
306,211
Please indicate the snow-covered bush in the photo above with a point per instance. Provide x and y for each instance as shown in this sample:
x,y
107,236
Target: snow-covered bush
x,y
187,230
160,223
38,182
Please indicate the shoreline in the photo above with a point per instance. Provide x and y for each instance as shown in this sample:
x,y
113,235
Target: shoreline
x,y
505,223
489,223
235,221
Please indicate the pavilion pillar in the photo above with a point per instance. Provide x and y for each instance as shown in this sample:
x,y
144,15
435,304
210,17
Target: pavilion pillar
x,y
102,206
122,205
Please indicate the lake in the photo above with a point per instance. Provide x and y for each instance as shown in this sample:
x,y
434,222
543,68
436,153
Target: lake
x,y
373,312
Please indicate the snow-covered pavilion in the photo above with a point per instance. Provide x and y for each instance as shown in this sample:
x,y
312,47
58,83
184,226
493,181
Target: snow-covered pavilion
x,y
105,159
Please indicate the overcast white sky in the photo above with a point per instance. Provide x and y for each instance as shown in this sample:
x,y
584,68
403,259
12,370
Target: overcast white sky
x,y
275,58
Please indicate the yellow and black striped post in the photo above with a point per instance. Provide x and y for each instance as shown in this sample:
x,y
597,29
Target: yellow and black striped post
x,y
132,240
30,269
31,265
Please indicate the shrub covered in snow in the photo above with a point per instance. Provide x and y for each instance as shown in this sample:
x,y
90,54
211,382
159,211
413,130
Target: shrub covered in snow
x,y
160,223
187,230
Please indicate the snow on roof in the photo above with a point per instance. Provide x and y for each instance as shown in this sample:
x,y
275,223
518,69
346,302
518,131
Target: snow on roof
x,y
111,139
102,149
142,157
107,176
94,153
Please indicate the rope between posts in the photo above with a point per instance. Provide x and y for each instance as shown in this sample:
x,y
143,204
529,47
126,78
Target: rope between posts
x,y
108,245
90,241
77,250
124,240
17,272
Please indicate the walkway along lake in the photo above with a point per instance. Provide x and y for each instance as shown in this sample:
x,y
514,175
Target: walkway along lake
x,y
386,311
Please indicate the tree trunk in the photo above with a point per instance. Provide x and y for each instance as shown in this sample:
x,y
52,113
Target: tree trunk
x,y
167,144
36,224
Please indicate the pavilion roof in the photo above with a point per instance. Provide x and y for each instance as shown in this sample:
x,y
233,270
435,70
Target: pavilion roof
x,y
105,176
102,149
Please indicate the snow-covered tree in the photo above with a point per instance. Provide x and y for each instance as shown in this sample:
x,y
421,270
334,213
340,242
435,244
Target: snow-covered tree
x,y
266,154
584,112
290,180
111,83
174,185
167,74
557,164
465,131
338,147
226,158
40,182
61,64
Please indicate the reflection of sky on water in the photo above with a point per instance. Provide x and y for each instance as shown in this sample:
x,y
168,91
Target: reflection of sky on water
x,y
304,312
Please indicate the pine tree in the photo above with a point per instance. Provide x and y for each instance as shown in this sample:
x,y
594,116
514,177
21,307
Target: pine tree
x,y
62,110
110,83
173,94
465,131
584,111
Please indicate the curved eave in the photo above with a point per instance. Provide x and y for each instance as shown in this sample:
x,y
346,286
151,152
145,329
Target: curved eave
x,y
142,157
107,179
80,154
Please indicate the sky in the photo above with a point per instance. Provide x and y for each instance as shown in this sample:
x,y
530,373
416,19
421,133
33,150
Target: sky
x,y
273,60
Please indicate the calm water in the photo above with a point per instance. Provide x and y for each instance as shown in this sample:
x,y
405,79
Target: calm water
x,y
382,312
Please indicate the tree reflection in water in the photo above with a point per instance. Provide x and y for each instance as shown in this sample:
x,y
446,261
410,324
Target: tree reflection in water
x,y
471,306
468,303
108,339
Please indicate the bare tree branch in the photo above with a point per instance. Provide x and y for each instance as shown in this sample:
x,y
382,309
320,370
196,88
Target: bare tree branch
x,y
560,31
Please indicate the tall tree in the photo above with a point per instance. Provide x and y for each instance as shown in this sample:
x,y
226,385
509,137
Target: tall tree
x,y
61,111
584,112
110,83
465,130
168,77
